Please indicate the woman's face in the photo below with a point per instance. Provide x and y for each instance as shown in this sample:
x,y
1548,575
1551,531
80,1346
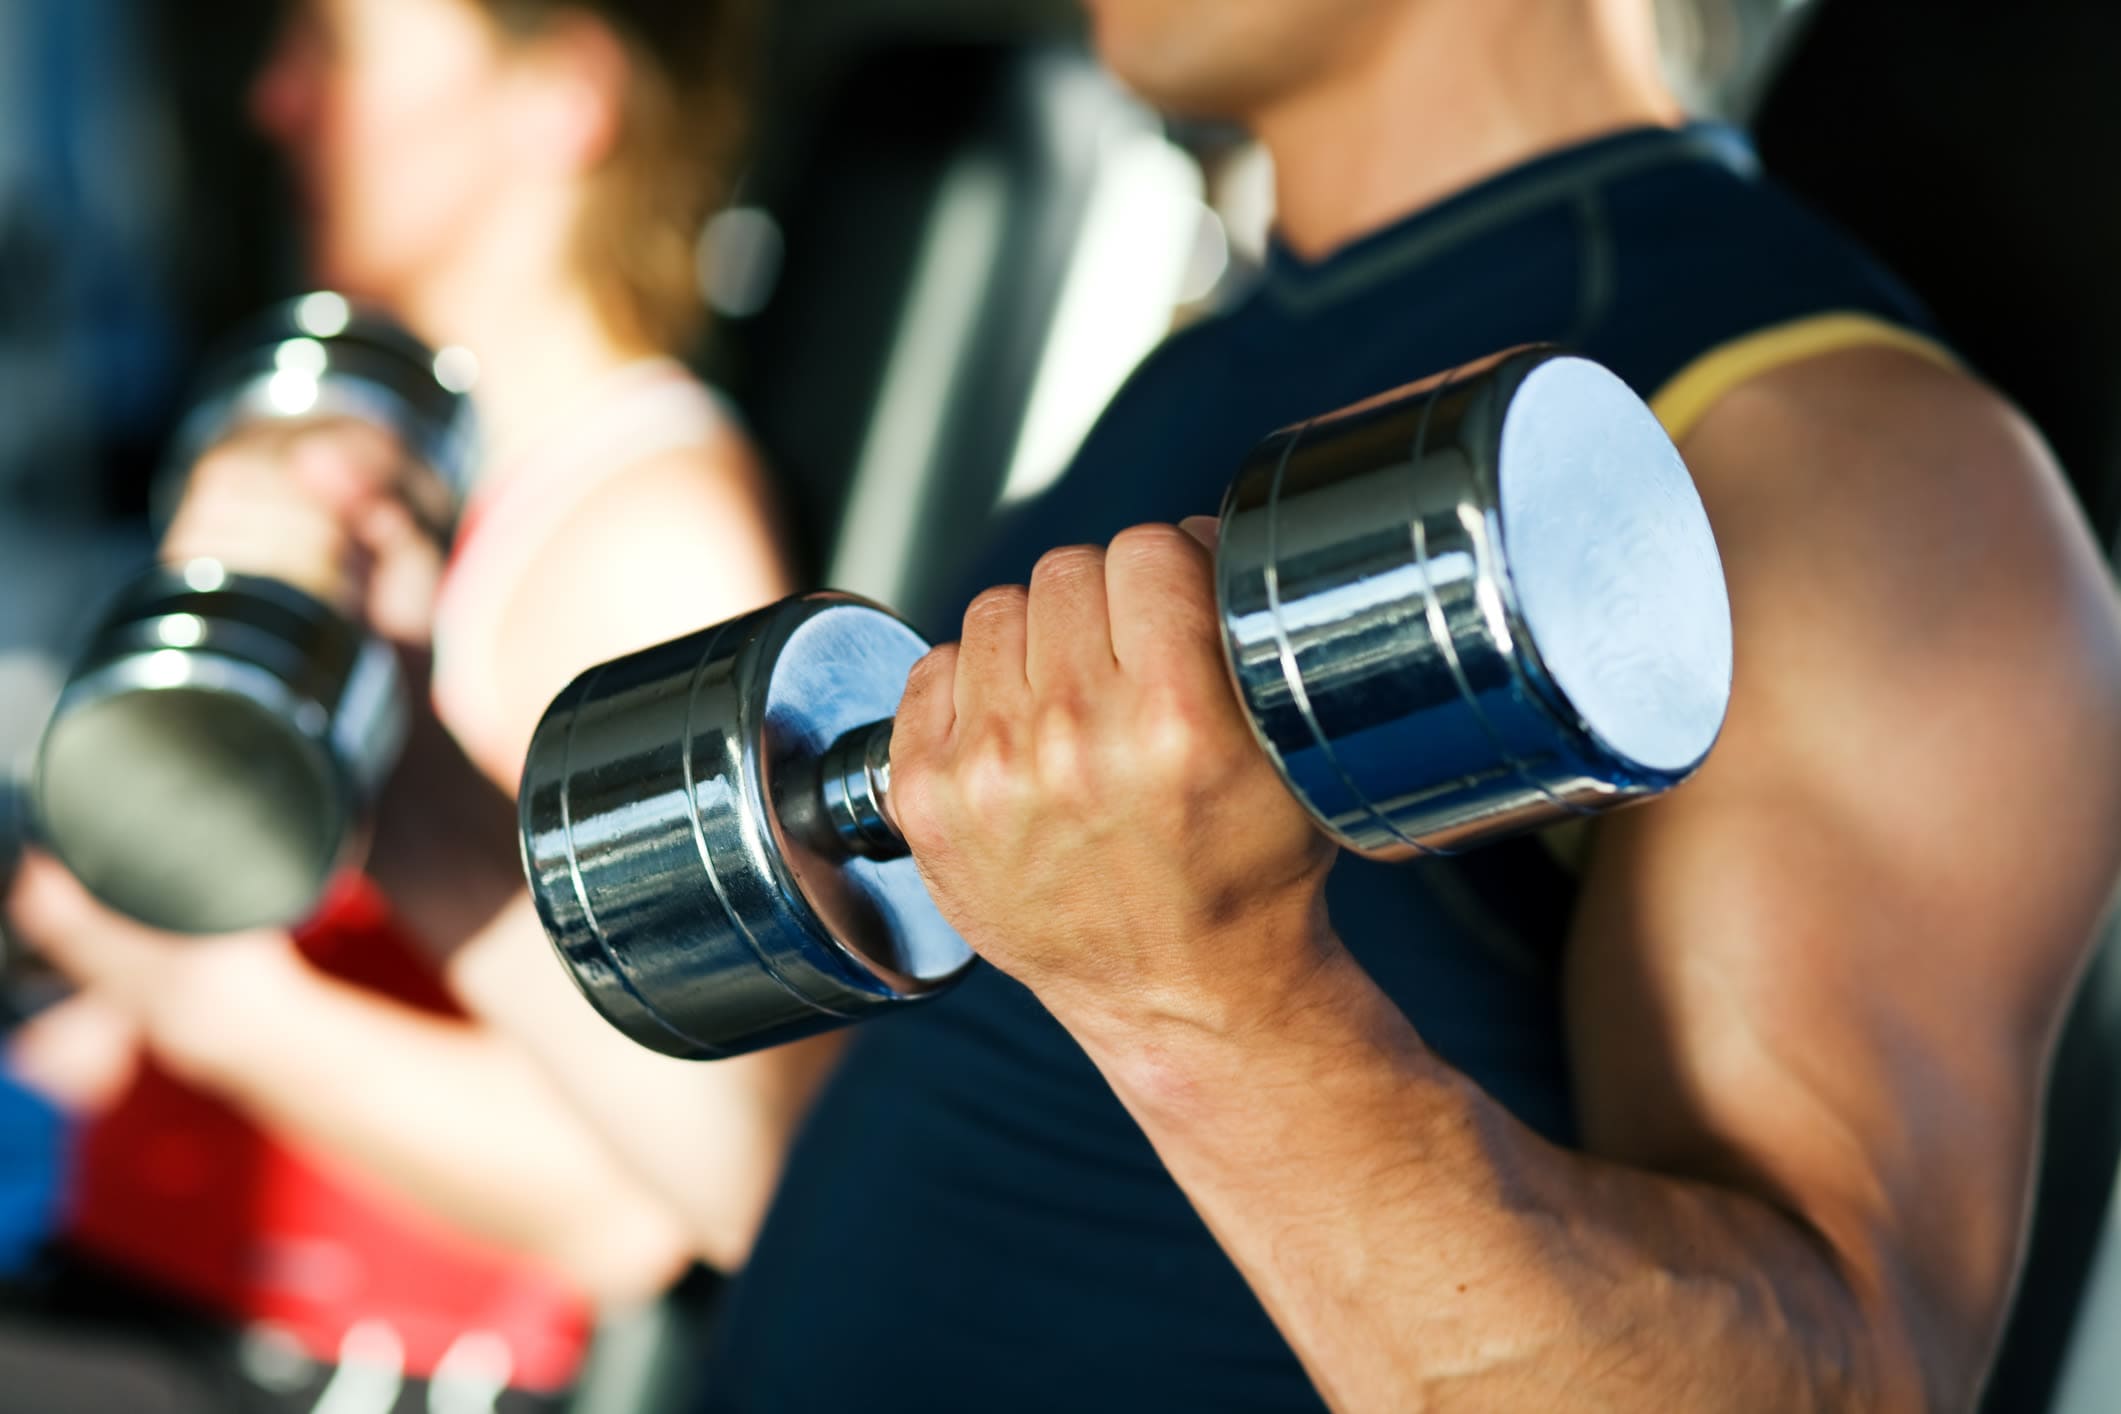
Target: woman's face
x,y
393,114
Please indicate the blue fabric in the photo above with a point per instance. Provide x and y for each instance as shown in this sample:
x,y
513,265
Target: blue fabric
x,y
33,1145
970,1221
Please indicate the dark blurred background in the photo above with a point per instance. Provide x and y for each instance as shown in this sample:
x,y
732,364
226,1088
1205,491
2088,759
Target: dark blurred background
x,y
141,216
1968,141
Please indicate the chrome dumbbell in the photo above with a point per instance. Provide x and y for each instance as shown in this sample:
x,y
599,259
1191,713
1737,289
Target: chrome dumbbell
x,y
1481,605
210,763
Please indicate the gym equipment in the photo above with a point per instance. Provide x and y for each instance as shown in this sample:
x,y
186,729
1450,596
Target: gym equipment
x,y
210,762
1480,605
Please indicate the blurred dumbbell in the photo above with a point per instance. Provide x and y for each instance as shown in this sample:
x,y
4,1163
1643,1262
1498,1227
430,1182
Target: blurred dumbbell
x,y
1481,605
210,762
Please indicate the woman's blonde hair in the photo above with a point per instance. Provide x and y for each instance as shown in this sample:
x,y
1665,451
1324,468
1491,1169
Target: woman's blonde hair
x,y
682,124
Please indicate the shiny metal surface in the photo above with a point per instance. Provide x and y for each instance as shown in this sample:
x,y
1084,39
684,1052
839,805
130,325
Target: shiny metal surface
x,y
854,788
1486,604
209,763
1477,606
214,754
322,356
677,841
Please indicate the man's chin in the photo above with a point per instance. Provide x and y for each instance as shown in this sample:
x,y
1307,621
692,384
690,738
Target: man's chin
x,y
1188,95
332,268
1171,76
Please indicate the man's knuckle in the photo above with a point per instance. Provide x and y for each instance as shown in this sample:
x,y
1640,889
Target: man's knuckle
x,y
1150,544
993,606
1175,731
932,672
916,806
1063,740
1068,565
1064,714
991,775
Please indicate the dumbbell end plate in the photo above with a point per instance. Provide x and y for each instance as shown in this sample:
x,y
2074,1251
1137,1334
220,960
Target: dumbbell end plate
x,y
207,766
667,812
1614,568
1486,604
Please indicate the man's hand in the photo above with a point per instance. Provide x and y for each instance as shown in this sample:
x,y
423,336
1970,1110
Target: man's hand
x,y
315,505
1089,807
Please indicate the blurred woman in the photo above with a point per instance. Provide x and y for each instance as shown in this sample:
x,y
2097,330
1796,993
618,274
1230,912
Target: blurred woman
x,y
315,1141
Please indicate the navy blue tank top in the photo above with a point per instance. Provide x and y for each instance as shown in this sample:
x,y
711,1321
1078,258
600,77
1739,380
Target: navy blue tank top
x,y
970,1220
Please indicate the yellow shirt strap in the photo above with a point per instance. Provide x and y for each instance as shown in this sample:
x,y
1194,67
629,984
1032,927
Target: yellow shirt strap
x,y
1684,401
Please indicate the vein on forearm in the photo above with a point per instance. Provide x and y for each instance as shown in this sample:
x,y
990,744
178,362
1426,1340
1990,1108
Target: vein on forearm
x,y
1422,1249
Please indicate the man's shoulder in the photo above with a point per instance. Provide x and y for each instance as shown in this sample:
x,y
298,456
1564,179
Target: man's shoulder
x,y
1889,471
1894,401
1707,265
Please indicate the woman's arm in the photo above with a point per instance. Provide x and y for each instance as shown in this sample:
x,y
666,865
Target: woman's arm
x,y
443,1113
709,1139
657,550
660,550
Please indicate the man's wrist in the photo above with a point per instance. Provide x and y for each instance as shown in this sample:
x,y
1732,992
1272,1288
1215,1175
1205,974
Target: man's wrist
x,y
1311,1085
1192,1055
1217,978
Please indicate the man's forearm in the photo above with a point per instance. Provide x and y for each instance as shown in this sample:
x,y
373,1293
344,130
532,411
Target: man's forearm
x,y
1421,1249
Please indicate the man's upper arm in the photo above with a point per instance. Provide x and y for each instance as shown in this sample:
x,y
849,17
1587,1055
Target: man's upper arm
x,y
1829,969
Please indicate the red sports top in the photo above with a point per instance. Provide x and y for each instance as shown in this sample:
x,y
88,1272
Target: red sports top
x,y
180,1190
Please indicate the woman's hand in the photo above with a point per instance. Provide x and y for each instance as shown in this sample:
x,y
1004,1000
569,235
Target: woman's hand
x,y
316,505
187,998
79,1054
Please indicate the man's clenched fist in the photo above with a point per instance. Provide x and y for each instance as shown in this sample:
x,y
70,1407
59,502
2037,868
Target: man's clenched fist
x,y
1089,807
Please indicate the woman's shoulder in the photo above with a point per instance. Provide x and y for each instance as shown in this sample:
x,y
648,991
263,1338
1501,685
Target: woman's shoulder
x,y
655,537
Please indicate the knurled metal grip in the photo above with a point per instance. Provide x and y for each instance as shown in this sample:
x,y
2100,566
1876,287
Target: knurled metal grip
x,y
854,789
1480,605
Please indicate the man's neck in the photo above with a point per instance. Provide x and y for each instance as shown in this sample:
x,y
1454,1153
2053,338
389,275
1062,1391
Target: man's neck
x,y
1448,95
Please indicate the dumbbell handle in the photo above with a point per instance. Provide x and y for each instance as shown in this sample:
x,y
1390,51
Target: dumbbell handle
x,y
854,788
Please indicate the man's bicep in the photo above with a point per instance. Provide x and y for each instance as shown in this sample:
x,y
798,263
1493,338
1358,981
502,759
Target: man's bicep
x,y
1747,1009
1826,971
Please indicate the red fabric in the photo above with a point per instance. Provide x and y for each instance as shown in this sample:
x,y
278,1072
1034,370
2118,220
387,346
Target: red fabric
x,y
177,1188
